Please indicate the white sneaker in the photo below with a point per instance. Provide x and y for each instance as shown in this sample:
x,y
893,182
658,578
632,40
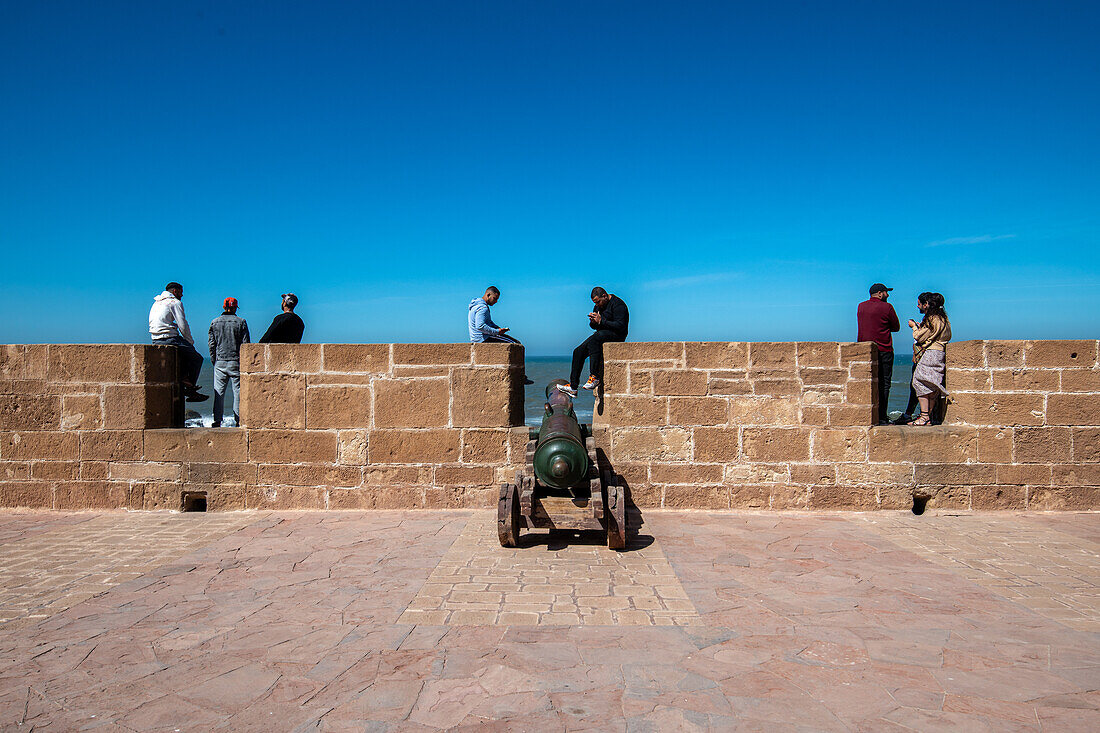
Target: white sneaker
x,y
592,383
567,389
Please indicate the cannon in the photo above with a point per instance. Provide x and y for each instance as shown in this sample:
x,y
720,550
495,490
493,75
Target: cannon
x,y
561,485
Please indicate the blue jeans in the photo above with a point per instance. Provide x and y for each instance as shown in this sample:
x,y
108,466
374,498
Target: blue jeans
x,y
227,371
190,360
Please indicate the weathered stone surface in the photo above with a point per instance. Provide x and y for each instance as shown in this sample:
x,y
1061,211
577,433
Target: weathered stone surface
x,y
432,354
1024,475
82,412
1022,380
955,474
477,476
696,497
852,415
253,358
737,385
1001,354
1073,409
696,411
1080,380
90,363
77,495
970,380
310,475
757,473
716,355
686,473
966,355
291,446
683,382
488,397
1042,445
716,444
844,497
26,494
294,358
1076,499
785,497
111,445
776,444
285,497
352,446
225,497
639,350
207,445
338,407
644,410
928,444
1086,445
995,445
415,446
411,403
651,444
774,355
356,358
1087,474
29,412
771,411
221,473
136,406
397,475
13,361
997,408
13,470
818,354
490,353
145,471
813,474
273,401
858,352
951,497
768,386
484,446
1074,354
840,445
877,474
55,470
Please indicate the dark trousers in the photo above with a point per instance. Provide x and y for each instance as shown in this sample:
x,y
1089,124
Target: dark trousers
x,y
591,349
885,374
501,339
190,360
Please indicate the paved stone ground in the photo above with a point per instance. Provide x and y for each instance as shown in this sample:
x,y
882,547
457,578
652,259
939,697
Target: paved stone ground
x,y
297,621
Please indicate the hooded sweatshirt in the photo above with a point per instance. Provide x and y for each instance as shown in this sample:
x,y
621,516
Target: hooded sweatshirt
x,y
481,324
166,319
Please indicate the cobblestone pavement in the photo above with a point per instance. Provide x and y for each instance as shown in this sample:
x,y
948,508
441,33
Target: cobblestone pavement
x,y
550,581
292,621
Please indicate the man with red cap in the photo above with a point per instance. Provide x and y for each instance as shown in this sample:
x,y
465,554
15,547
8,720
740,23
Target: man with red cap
x,y
227,332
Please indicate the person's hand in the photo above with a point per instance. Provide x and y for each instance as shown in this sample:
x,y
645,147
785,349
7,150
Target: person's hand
x,y
912,323
594,316
505,330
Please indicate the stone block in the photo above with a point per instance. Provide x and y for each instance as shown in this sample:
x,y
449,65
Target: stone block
x,y
1021,380
414,370
285,497
29,412
432,354
996,408
680,382
273,400
773,355
966,354
650,444
646,496
1058,499
292,446
476,476
294,358
397,475
643,410
443,497
696,497
696,411
616,378
995,445
770,387
352,447
875,474
776,444
137,406
13,361
412,403
405,497
756,473
955,474
1002,354
338,406
156,496
1042,445
503,354
226,497
846,445
55,470
1024,475
484,446
90,363
640,380
716,355
1072,354
1080,380
851,353
80,495
356,358
815,415
785,497
204,445
716,444
350,499
26,495
1086,445
94,470
824,354
984,498
221,473
813,474
686,473
14,470
155,365
326,379
144,471
1073,409
739,385
253,358
858,498
487,397
852,415
518,437
111,445
770,411
37,361
82,412
1085,474
927,444
642,350
950,497
969,380
309,475
634,474
816,376
22,446
861,392
415,446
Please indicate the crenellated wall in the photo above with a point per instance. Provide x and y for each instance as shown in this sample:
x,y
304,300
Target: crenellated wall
x,y
689,425
789,426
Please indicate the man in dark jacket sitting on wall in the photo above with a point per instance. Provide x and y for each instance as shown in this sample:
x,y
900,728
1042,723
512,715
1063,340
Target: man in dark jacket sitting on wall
x,y
609,321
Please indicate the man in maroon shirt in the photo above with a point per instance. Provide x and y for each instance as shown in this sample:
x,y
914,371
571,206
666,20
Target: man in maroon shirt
x,y
877,320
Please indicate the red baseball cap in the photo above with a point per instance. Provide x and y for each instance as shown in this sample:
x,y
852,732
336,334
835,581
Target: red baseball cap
x,y
229,303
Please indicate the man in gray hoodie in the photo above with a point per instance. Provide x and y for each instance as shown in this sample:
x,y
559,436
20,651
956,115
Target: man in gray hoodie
x,y
227,332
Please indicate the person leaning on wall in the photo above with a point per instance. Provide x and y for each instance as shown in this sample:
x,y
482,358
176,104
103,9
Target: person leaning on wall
x,y
168,327
930,338
876,322
287,327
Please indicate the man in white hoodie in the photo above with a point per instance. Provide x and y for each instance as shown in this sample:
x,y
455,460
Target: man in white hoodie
x,y
168,327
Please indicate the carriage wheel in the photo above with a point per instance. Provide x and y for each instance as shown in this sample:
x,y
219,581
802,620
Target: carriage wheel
x,y
616,517
508,515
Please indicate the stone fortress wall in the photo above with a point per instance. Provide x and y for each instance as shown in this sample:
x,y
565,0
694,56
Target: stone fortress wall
x,y
689,425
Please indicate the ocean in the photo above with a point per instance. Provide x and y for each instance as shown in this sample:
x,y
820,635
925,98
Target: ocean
x,y
540,369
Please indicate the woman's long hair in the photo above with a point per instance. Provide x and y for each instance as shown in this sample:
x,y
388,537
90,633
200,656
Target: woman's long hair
x,y
933,303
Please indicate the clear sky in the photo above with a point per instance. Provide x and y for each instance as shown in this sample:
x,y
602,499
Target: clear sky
x,y
732,170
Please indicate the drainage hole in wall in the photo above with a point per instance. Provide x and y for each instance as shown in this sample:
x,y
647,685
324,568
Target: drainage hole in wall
x,y
194,501
919,503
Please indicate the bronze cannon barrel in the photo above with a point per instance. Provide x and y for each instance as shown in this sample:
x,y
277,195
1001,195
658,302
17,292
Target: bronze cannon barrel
x,y
561,460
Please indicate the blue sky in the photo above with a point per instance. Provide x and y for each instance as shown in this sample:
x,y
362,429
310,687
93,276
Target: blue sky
x,y
732,170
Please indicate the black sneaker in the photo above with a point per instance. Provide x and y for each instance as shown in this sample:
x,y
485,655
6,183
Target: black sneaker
x,y
903,419
194,395
527,381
